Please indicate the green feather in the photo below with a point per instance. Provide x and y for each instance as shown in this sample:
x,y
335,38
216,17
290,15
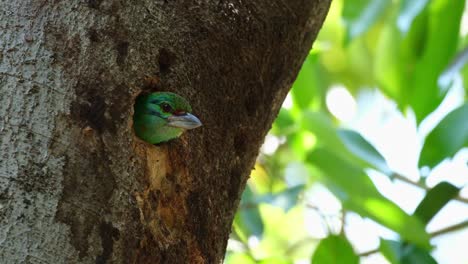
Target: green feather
x,y
162,116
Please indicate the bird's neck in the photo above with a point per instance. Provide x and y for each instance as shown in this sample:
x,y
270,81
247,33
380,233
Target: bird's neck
x,y
166,133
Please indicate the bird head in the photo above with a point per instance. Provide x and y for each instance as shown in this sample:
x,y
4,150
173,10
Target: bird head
x,y
162,116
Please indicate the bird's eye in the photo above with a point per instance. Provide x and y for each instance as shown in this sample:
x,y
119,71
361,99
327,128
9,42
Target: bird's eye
x,y
166,107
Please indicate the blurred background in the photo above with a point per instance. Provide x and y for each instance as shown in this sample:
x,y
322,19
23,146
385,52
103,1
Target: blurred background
x,y
367,161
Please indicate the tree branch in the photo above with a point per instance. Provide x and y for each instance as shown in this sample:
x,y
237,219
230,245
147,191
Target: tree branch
x,y
450,229
434,234
423,186
368,253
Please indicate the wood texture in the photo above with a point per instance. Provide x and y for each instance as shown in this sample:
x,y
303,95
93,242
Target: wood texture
x,y
76,185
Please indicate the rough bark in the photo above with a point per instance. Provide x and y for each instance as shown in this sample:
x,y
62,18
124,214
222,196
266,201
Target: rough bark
x,y
76,185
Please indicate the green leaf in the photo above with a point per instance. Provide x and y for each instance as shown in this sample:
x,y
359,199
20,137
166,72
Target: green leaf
x,y
396,57
301,142
447,138
455,67
276,260
284,123
346,180
360,15
414,255
401,253
443,27
282,231
363,149
306,85
285,199
346,143
236,258
435,199
248,218
250,222
391,250
409,9
334,250
319,124
408,68
464,74
389,65
357,193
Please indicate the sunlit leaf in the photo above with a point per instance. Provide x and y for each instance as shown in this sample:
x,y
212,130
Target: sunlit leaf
x,y
284,123
236,258
464,74
444,18
435,199
276,260
390,215
302,92
408,68
342,175
357,193
282,230
360,15
409,9
360,63
321,125
348,144
306,85
259,181
334,250
389,65
301,142
447,138
363,149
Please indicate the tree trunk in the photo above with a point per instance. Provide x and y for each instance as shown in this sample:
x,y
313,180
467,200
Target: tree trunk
x,y
76,185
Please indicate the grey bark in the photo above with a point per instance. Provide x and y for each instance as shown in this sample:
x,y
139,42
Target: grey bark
x,y
76,185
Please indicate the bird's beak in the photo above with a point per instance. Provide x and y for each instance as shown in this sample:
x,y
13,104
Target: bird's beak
x,y
185,121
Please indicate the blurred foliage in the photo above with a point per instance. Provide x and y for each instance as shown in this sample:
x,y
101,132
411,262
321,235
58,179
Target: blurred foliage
x,y
411,51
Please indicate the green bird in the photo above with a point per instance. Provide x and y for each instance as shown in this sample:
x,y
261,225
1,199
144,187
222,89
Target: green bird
x,y
162,116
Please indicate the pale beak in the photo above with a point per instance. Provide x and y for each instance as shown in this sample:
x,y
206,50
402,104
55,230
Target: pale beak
x,y
185,121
